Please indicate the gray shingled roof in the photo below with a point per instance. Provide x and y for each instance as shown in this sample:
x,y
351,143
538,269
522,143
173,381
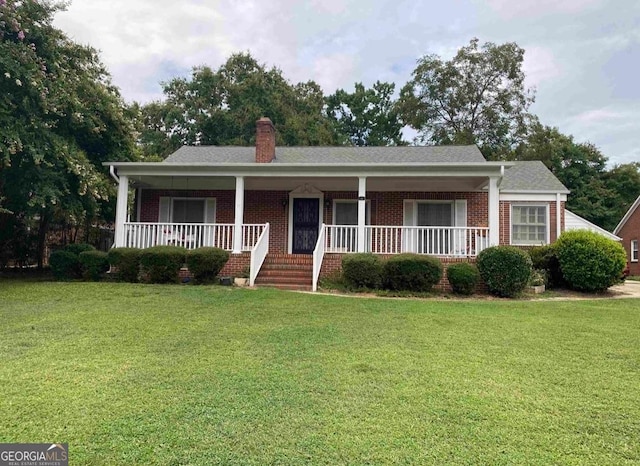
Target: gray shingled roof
x,y
523,176
330,155
531,176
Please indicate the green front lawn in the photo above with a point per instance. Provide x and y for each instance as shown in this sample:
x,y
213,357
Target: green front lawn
x,y
135,374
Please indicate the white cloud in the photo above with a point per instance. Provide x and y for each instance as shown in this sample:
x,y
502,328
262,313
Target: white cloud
x,y
540,65
509,9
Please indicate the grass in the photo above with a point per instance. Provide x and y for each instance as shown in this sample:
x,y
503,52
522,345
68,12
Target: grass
x,y
143,374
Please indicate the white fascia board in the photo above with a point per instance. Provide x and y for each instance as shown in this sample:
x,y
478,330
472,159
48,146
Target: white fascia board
x,y
544,196
627,215
317,170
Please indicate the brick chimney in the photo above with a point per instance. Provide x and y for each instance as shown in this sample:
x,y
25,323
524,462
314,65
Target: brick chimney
x,y
265,141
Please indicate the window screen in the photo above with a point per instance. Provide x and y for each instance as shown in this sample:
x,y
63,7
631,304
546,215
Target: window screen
x,y
188,211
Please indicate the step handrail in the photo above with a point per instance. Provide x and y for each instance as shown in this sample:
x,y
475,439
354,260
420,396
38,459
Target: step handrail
x,y
258,254
318,256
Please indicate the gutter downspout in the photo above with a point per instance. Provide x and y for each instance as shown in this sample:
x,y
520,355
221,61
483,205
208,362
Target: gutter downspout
x,y
112,172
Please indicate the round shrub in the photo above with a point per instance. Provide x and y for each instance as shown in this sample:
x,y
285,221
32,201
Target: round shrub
x,y
64,265
463,277
93,264
161,264
77,248
205,263
546,258
412,272
127,263
362,271
505,269
589,261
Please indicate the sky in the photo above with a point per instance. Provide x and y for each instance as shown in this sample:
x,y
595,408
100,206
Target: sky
x,y
581,56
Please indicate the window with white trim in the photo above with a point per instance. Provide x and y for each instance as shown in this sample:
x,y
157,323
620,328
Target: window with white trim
x,y
634,250
529,224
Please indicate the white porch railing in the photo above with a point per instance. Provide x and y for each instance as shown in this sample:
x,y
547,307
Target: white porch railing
x,y
437,241
250,235
258,254
318,256
189,235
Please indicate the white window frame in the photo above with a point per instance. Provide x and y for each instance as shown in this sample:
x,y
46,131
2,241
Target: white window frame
x,y
547,225
632,249
351,201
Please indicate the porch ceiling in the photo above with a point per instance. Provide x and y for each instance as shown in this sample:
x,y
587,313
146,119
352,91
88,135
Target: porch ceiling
x,y
374,184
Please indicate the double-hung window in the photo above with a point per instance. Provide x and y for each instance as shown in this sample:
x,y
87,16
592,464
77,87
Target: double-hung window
x,y
529,224
634,250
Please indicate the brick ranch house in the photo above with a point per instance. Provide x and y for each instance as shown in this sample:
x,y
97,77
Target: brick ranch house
x,y
291,213
629,231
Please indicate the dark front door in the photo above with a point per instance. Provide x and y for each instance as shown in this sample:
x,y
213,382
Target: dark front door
x,y
306,213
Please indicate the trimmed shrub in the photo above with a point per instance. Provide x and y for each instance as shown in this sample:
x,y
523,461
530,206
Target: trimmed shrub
x,y
463,277
362,270
205,263
127,262
589,261
412,272
505,269
64,265
67,266
77,248
93,264
161,264
546,258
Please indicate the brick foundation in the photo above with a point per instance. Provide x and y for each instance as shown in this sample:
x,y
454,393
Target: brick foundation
x,y
332,263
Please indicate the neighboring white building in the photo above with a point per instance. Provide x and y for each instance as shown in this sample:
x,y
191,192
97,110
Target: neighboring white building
x,y
575,222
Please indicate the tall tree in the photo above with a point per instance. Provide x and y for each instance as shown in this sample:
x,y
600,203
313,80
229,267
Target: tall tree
x,y
61,118
366,117
221,107
477,97
582,168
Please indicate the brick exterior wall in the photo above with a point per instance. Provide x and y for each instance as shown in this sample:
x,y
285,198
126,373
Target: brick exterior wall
x,y
629,232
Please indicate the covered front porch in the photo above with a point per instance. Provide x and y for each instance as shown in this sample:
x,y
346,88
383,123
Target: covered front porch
x,y
453,212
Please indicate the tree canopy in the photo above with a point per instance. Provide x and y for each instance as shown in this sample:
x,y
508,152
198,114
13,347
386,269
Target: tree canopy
x,y
60,117
477,97
221,107
366,117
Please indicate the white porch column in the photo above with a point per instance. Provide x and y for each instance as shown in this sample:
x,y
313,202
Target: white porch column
x,y
558,217
494,212
121,210
237,229
362,209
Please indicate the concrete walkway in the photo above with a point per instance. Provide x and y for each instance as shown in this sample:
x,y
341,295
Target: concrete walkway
x,y
629,289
